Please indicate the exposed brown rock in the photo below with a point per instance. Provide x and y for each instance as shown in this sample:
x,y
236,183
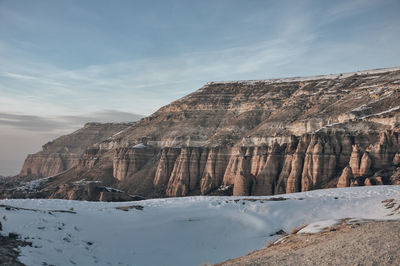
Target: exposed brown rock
x,y
64,152
265,181
259,137
355,159
243,184
378,180
396,159
345,177
367,182
395,178
214,169
128,161
165,166
365,164
294,179
179,181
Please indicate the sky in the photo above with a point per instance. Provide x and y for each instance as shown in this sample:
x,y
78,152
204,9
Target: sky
x,y
63,63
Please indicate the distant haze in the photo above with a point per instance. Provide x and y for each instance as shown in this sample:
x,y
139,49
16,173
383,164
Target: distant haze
x,y
21,135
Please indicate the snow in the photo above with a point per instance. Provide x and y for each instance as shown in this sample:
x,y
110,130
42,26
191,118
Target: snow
x,y
178,231
33,185
360,108
366,106
319,226
328,125
299,79
84,182
139,146
381,113
224,188
111,189
119,132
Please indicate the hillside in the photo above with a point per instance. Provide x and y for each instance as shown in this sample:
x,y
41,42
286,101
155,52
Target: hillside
x,y
64,152
335,246
261,137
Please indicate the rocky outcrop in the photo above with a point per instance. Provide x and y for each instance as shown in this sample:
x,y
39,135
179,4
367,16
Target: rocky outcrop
x,y
165,167
345,178
128,161
65,152
255,137
91,191
44,164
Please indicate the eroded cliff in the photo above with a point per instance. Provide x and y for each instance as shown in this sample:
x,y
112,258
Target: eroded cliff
x,y
64,152
254,138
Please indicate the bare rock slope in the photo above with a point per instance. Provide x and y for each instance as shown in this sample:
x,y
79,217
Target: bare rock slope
x,y
370,243
247,138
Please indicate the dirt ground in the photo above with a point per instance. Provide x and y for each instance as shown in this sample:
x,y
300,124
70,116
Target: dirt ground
x,y
366,243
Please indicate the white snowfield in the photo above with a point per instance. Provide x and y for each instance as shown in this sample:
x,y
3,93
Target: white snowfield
x,y
179,231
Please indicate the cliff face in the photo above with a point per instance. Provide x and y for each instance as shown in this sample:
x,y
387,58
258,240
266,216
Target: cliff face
x,y
64,152
255,138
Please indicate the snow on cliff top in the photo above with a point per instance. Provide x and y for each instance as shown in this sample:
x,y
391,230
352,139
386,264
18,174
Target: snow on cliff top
x,y
298,79
178,231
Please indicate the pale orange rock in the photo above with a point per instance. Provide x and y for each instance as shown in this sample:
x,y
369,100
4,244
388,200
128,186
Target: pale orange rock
x,y
365,164
367,182
355,159
345,177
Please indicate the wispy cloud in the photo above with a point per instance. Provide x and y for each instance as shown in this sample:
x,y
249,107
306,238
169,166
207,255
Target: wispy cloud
x,y
347,8
144,85
295,47
62,124
23,134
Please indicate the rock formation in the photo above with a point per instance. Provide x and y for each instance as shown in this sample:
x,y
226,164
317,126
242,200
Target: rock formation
x,y
64,152
261,137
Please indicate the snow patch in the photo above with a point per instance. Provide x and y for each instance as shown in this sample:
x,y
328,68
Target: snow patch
x,y
84,182
223,188
318,226
328,125
139,146
299,79
361,108
381,113
111,189
32,185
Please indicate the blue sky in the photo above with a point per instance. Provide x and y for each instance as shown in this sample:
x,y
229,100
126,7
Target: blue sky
x,y
100,60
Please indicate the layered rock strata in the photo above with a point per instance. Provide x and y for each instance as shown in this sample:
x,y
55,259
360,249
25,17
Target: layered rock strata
x,y
64,152
259,137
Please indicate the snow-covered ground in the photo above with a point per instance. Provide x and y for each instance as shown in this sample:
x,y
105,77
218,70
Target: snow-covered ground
x,y
179,231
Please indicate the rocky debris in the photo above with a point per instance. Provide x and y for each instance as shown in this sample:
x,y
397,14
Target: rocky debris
x,y
92,192
127,208
261,138
396,159
9,249
13,208
78,190
395,178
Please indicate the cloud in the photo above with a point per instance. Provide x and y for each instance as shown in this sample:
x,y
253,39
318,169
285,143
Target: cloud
x,y
33,123
347,8
144,85
21,134
299,44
